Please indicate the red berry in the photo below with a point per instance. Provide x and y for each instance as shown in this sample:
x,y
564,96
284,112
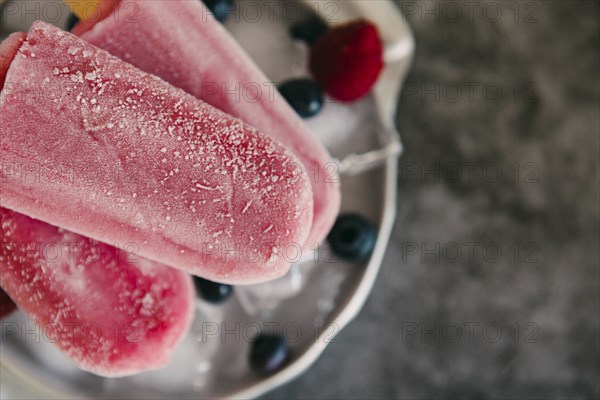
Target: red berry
x,y
347,60
6,304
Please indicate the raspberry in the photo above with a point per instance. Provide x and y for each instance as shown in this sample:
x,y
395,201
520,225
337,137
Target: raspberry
x,y
347,60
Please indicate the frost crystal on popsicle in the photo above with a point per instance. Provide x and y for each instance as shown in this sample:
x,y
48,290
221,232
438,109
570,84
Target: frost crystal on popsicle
x,y
110,311
182,43
118,155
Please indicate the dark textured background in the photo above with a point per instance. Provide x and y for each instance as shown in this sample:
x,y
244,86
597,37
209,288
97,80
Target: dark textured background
x,y
555,126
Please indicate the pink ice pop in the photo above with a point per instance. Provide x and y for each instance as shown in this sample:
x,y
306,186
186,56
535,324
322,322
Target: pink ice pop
x,y
114,314
111,312
182,43
8,49
98,147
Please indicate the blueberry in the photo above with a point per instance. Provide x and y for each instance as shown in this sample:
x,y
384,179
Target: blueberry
x,y
72,20
219,8
304,95
212,292
352,238
268,353
309,30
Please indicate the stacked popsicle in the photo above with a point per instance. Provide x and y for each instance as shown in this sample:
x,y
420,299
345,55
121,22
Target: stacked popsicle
x,y
133,160
111,313
199,56
146,163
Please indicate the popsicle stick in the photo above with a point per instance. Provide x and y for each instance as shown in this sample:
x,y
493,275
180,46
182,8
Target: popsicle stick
x,y
84,9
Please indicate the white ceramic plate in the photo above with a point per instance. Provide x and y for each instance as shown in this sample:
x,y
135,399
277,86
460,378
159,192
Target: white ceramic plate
x,y
311,304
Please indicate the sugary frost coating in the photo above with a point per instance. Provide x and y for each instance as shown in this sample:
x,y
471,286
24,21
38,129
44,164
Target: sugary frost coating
x,y
182,43
98,147
111,311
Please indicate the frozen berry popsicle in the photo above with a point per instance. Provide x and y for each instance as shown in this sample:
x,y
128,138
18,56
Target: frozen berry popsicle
x,y
94,145
110,311
182,43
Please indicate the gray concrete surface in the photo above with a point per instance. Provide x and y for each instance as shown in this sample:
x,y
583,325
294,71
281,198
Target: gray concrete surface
x,y
431,328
